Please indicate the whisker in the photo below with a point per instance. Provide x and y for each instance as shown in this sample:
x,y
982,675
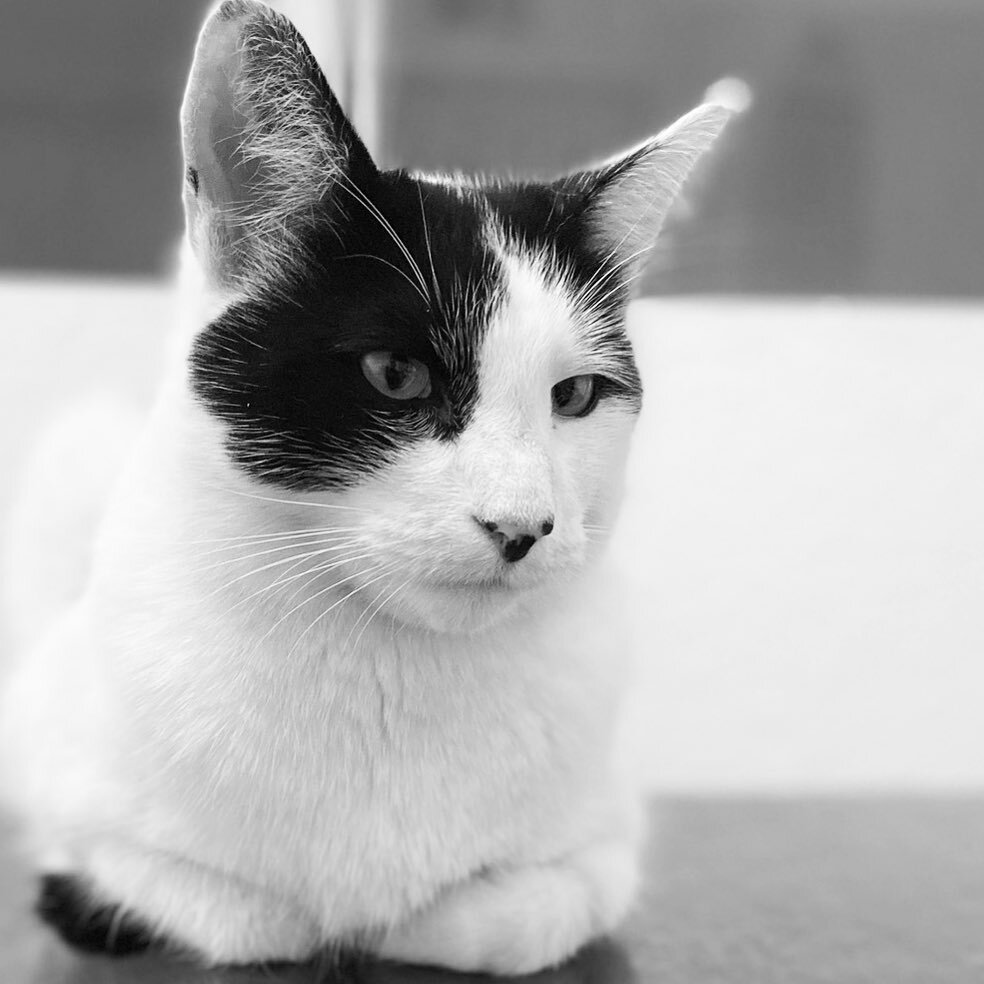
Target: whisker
x,y
378,609
295,502
621,285
388,569
276,563
360,196
284,579
357,194
321,592
635,225
335,537
588,295
392,266
430,255
316,570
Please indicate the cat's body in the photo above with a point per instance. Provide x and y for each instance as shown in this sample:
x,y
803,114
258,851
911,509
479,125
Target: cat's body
x,y
347,668
355,787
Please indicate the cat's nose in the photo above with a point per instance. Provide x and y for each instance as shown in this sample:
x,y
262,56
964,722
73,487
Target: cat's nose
x,y
514,539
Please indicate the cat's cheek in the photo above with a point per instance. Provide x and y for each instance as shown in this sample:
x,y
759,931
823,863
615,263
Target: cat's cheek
x,y
595,460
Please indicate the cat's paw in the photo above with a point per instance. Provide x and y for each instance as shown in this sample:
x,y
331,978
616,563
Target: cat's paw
x,y
521,920
67,905
203,912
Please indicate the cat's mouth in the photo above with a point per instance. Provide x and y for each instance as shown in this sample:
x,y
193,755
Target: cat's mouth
x,y
468,601
498,581
495,583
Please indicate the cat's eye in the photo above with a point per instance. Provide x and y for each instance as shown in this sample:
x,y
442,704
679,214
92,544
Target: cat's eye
x,y
398,376
575,396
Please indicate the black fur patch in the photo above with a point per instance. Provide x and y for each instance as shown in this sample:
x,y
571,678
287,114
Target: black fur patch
x,y
283,369
66,905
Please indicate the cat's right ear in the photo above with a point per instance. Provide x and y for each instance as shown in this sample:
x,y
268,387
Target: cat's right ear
x,y
625,201
267,147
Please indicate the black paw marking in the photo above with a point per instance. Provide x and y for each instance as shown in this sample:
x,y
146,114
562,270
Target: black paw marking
x,y
83,921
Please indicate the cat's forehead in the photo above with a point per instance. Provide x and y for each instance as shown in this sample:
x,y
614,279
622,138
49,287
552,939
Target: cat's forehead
x,y
435,258
408,265
543,331
426,264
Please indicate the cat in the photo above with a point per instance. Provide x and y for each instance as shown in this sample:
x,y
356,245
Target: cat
x,y
346,668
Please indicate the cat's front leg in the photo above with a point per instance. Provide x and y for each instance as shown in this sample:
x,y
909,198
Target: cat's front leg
x,y
519,920
125,898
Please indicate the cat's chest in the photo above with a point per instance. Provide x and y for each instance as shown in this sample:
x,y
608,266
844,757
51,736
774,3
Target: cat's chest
x,y
379,771
282,749
403,747
399,723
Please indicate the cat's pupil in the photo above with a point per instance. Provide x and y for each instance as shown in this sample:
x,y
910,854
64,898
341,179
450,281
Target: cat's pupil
x,y
563,392
396,375
575,396
396,372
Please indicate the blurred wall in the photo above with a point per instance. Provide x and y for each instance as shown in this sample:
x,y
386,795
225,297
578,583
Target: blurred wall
x,y
856,171
89,152
858,168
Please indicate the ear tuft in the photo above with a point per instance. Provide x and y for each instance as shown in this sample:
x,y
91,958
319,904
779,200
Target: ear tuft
x,y
236,9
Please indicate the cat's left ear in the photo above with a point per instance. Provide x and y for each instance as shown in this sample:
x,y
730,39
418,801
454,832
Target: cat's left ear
x,y
625,200
267,146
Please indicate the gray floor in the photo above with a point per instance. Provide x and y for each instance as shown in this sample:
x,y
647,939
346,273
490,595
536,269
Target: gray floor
x,y
887,891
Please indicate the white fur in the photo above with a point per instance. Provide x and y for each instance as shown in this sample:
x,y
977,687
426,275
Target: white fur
x,y
257,790
404,747
47,538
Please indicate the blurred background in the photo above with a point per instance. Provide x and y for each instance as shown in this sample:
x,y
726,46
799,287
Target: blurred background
x,y
804,504
858,169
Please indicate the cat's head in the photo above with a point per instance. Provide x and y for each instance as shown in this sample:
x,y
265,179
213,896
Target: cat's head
x,y
442,359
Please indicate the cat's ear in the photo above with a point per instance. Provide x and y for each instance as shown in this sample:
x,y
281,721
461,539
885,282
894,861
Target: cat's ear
x,y
625,200
266,144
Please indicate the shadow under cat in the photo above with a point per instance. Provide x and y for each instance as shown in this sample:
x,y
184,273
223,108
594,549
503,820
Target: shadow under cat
x,y
603,962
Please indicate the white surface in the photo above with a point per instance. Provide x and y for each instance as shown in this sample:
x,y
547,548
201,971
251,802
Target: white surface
x,y
806,519
804,522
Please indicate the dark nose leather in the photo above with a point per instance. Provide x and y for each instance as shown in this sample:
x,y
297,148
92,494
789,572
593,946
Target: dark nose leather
x,y
515,539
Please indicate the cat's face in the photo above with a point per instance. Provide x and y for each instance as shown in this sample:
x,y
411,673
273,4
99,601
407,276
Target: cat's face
x,y
442,363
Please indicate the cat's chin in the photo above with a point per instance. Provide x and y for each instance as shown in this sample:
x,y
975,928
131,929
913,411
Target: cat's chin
x,y
461,607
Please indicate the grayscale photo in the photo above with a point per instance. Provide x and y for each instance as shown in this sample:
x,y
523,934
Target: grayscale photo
x,y
492,491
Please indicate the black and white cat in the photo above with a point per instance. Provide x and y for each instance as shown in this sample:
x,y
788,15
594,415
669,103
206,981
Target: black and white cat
x,y
347,669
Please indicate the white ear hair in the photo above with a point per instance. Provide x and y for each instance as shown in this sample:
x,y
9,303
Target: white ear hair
x,y
264,140
632,192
